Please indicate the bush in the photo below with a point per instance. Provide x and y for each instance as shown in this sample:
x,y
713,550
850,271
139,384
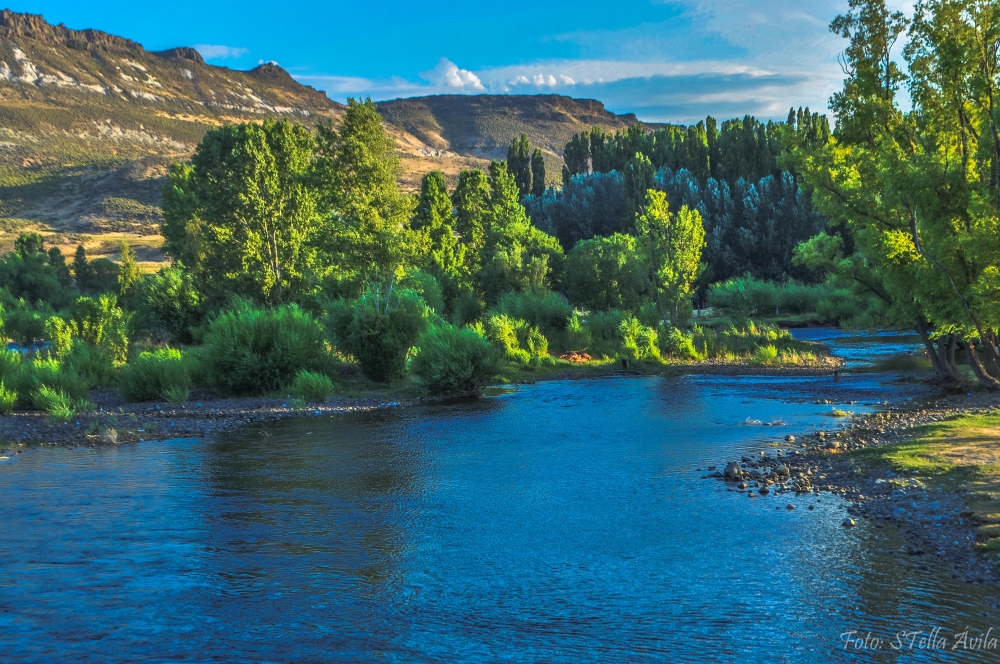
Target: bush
x,y
167,302
311,386
578,336
638,341
8,398
378,330
765,354
10,366
679,345
56,403
519,341
177,394
248,350
467,309
92,364
549,312
427,287
152,374
747,296
60,335
102,323
49,373
604,329
26,324
455,360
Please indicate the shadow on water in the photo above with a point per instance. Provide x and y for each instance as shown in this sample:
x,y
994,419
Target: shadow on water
x,y
562,521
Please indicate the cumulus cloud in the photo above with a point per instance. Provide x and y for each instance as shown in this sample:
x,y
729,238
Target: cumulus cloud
x,y
447,75
217,51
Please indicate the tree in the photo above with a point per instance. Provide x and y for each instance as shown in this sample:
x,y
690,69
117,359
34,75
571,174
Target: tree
x,y
639,179
472,209
537,173
365,235
243,215
129,274
434,218
608,273
673,245
519,164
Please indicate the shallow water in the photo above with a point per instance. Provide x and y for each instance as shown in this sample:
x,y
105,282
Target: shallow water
x,y
563,521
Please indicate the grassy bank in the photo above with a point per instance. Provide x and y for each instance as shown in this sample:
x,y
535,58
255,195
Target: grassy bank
x,y
961,452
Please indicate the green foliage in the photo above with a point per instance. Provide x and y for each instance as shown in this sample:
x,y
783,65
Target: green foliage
x,y
248,350
427,287
537,173
577,335
25,324
93,364
435,220
604,329
378,330
767,354
673,244
95,277
28,273
60,335
638,341
607,273
520,341
311,386
59,380
128,271
102,323
152,374
177,394
639,179
8,399
167,302
454,360
740,299
241,215
55,402
547,311
468,308
679,344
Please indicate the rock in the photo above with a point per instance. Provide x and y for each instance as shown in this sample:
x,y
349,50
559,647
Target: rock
x,y
764,490
732,471
790,439
848,523
782,470
751,495
741,485
812,507
831,445
789,506
899,511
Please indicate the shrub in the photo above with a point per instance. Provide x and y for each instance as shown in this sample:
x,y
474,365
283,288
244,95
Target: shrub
x,y
248,350
765,354
379,330
167,302
311,386
455,360
60,335
605,332
26,324
101,322
92,364
152,374
427,287
57,403
638,341
177,394
679,345
549,312
578,336
467,309
8,398
10,366
48,373
519,341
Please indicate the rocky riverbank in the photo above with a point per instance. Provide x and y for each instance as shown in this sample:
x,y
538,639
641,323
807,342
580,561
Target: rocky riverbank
x,y
938,521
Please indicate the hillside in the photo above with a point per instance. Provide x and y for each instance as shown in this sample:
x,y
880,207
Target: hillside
x,y
483,126
90,122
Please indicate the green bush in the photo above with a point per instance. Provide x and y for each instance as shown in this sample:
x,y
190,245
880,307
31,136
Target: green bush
x,y
311,386
467,309
92,364
638,341
48,373
679,344
519,340
177,394
427,287
604,328
744,297
167,302
60,335
102,323
57,403
578,336
10,366
25,324
248,350
150,375
765,354
549,312
455,360
378,330
8,398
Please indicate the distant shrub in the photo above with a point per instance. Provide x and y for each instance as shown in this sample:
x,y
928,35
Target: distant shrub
x,y
177,394
604,328
578,336
92,364
549,312
57,403
678,344
8,399
248,350
60,335
48,373
638,341
311,386
102,323
152,374
519,340
765,354
744,297
467,309
378,330
454,360
427,287
10,366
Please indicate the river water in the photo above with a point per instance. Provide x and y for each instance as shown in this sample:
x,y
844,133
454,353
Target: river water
x,y
565,521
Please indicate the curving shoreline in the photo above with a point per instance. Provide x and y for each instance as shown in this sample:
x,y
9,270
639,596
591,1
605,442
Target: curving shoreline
x,y
937,521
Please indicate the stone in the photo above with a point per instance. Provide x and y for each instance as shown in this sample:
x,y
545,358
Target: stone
x,y
790,439
789,506
782,470
831,445
732,471
848,523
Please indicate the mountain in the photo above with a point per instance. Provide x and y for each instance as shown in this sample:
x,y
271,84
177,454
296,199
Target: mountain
x,y
484,125
90,122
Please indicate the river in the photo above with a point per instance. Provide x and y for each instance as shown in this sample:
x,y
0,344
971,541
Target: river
x,y
564,521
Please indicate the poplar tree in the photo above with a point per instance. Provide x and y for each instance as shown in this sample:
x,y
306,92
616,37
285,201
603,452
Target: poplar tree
x,y
537,173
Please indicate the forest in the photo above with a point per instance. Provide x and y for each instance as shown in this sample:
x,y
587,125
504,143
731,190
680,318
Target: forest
x,y
297,261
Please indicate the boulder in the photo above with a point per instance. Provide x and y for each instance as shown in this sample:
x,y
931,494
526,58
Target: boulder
x,y
732,471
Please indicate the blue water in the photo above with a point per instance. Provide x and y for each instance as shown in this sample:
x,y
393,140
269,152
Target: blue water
x,y
564,522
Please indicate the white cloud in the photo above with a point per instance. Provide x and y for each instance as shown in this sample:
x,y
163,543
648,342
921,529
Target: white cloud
x,y
446,74
217,51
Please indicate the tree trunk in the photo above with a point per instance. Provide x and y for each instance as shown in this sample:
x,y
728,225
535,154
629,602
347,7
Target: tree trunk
x,y
932,353
987,381
946,355
990,361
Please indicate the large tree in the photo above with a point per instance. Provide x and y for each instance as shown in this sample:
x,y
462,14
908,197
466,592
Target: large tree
x,y
241,214
434,217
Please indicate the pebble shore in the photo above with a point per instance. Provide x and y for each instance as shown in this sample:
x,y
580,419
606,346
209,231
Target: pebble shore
x,y
937,526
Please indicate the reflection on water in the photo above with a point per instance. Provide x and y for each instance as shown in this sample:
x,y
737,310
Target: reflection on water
x,y
564,521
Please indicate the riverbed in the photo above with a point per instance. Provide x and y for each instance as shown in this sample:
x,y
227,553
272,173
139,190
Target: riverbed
x,y
563,521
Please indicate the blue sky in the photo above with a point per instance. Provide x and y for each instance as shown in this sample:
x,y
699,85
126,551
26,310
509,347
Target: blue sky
x,y
664,61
